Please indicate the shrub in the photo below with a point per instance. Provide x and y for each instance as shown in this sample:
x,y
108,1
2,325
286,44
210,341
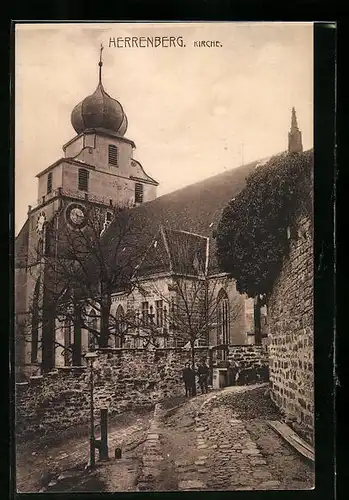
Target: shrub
x,y
252,236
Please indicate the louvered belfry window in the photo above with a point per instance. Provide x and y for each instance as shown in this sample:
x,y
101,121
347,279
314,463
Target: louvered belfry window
x,y
49,183
83,179
138,192
112,155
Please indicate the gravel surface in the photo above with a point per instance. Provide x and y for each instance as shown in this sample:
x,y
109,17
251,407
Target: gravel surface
x,y
253,403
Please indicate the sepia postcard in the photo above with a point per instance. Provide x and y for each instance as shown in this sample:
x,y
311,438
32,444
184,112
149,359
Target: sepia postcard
x,y
164,284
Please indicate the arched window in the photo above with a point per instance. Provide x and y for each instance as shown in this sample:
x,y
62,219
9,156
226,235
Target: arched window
x,y
119,326
222,318
91,333
67,342
35,323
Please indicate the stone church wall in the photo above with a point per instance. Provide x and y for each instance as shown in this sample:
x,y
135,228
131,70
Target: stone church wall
x,y
125,379
290,322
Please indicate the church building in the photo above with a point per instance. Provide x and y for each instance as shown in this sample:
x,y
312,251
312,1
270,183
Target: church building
x,y
178,239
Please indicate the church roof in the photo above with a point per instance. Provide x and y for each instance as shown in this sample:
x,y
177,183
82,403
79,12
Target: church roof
x,y
196,208
21,246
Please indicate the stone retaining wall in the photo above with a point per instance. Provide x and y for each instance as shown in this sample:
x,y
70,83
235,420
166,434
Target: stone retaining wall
x,y
124,379
250,356
290,318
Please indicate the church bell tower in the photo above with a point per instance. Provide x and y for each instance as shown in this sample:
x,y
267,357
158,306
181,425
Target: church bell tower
x,y
97,170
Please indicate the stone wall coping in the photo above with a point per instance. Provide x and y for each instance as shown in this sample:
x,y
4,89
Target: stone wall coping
x,y
106,350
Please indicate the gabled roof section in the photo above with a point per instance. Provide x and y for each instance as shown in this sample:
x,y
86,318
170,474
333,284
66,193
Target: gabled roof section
x,y
156,260
21,246
173,251
187,251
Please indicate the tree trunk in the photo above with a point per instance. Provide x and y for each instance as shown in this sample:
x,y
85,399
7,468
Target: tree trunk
x,y
76,357
192,354
257,321
48,338
210,364
105,314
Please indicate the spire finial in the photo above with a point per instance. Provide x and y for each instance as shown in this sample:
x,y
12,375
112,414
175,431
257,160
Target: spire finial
x,y
100,64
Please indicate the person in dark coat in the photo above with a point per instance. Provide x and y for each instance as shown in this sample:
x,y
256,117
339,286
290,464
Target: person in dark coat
x,y
232,371
203,373
188,379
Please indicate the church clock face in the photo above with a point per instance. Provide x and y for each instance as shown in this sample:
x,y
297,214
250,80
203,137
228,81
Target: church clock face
x,y
76,215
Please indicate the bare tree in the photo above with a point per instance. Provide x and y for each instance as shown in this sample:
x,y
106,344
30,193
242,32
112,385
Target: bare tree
x,y
188,297
193,307
79,271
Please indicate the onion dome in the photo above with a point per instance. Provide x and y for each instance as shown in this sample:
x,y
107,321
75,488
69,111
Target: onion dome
x,y
99,110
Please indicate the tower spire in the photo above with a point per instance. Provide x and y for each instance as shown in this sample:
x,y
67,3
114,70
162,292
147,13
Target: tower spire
x,y
100,64
294,136
294,124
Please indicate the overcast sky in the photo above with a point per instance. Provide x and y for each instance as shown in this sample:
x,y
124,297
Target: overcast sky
x,y
193,111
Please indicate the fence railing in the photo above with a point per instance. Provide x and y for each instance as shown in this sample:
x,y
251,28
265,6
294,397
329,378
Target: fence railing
x,y
80,195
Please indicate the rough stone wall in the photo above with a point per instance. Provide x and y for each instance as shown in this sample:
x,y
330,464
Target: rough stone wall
x,y
290,323
254,356
124,379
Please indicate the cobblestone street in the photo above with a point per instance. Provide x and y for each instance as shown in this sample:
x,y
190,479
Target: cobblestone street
x,y
215,441
221,441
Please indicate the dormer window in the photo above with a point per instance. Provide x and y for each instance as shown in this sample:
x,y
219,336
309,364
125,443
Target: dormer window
x,y
108,217
49,183
83,179
113,155
138,192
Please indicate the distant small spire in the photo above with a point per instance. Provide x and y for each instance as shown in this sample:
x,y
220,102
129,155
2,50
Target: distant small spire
x,y
100,64
294,124
294,136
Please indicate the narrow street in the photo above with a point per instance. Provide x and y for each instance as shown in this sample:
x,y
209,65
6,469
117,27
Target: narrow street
x,y
224,443
215,441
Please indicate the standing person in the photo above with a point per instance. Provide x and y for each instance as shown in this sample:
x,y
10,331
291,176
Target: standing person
x,y
203,373
230,375
232,372
188,378
192,381
235,368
